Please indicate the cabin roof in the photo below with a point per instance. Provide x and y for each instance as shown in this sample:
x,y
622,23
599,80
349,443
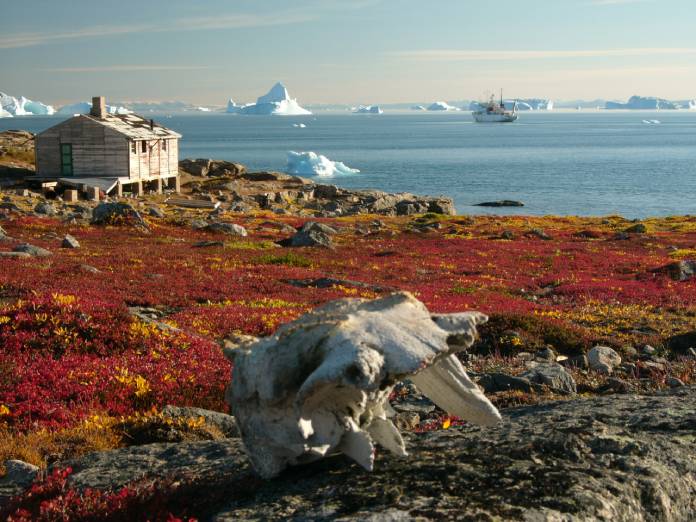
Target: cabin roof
x,y
134,126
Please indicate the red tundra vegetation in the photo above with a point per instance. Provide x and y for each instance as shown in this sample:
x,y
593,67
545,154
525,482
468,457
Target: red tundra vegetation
x,y
80,360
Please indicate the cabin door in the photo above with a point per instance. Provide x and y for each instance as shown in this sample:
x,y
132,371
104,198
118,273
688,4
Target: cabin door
x,y
66,159
155,154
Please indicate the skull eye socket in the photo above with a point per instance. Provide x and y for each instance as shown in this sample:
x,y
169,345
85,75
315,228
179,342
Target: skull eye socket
x,y
353,373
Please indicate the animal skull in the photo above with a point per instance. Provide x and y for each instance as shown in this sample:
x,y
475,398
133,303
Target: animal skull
x,y
321,383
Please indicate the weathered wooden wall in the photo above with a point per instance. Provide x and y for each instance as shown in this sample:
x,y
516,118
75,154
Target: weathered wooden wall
x,y
97,150
156,162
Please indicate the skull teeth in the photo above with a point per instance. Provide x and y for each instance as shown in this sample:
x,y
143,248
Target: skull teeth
x,y
449,387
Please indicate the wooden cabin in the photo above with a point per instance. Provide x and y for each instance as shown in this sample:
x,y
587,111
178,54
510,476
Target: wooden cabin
x,y
112,152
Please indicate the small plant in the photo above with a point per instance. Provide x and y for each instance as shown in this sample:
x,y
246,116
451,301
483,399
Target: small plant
x,y
288,259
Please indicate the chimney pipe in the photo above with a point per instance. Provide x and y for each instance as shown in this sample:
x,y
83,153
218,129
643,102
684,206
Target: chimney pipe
x,y
98,107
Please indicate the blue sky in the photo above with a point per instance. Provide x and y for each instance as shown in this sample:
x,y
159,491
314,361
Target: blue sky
x,y
350,51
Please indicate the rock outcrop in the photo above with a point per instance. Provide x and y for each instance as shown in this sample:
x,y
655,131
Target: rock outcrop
x,y
619,457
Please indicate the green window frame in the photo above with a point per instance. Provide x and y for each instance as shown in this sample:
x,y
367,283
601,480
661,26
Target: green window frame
x,y
66,159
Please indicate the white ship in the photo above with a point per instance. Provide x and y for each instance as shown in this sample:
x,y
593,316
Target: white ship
x,y
494,112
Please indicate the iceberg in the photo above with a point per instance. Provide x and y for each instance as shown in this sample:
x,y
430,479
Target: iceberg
x,y
643,103
652,122
367,109
692,105
442,106
4,113
276,102
202,109
23,106
313,164
85,107
417,108
299,125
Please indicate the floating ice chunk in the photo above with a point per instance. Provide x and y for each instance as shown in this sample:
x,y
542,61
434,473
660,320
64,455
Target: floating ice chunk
x,y
367,109
442,106
202,109
4,113
299,125
276,102
313,164
418,108
652,122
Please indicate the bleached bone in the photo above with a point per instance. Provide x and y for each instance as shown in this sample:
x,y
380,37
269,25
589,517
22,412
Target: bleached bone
x,y
321,384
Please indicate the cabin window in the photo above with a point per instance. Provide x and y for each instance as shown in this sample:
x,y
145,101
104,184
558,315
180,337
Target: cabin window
x,y
164,144
66,159
134,147
144,146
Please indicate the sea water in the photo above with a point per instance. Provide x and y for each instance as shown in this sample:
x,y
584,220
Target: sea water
x,y
565,163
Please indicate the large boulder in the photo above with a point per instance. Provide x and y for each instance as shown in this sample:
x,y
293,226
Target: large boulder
x,y
231,229
18,477
679,270
208,167
552,375
118,214
32,250
603,359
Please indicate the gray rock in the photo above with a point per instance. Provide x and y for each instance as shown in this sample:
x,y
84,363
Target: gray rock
x,y
552,375
18,477
32,250
90,269
227,228
156,212
16,255
603,359
117,213
649,350
501,203
638,228
310,235
45,209
320,227
546,354
539,233
198,224
497,382
70,242
225,423
207,244
679,270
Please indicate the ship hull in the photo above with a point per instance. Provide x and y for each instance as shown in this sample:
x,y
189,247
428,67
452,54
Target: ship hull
x,y
485,117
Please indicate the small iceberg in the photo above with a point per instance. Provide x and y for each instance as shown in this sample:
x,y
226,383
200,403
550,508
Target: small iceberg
x,y
652,122
418,108
313,164
299,125
277,102
203,109
442,106
367,109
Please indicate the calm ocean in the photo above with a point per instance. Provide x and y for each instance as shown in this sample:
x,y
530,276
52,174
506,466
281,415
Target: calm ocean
x,y
567,163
